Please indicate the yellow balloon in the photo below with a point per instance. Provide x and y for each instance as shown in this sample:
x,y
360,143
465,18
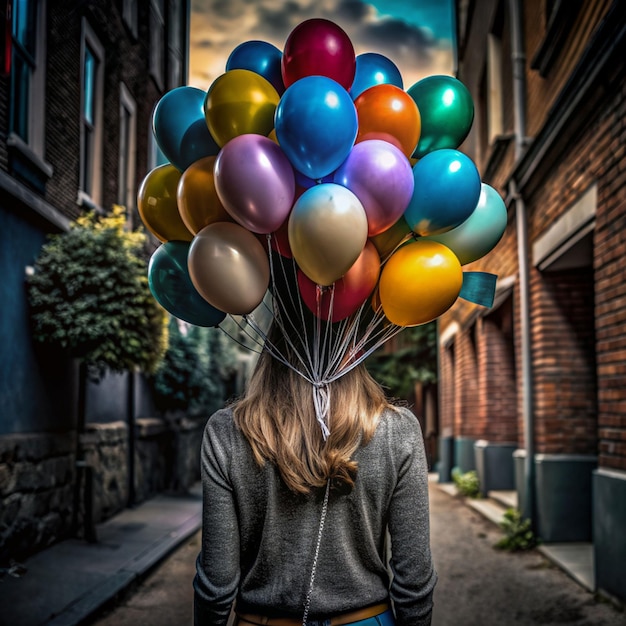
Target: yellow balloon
x,y
158,207
240,102
273,136
198,202
419,282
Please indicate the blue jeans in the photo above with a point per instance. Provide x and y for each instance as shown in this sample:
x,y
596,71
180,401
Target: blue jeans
x,y
384,619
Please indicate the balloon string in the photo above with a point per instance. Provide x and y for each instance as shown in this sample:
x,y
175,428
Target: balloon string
x,y
332,350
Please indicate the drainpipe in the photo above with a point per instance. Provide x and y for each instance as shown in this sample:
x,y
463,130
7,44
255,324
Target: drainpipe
x,y
518,60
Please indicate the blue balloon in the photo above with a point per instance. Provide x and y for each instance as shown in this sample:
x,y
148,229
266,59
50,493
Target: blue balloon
x,y
180,128
316,125
447,189
374,69
171,286
260,57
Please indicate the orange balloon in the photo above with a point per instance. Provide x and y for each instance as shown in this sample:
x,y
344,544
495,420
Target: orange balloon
x,y
389,113
419,282
158,207
198,202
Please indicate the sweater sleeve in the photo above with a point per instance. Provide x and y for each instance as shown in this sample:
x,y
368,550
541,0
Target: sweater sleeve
x,y
217,566
414,577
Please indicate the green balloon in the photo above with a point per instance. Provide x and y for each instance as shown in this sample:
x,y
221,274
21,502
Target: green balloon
x,y
447,112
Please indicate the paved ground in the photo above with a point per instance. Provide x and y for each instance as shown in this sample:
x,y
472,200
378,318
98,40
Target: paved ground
x,y
478,585
165,598
481,586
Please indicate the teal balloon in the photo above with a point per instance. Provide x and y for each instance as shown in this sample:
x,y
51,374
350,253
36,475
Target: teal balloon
x,y
374,69
446,110
171,286
481,231
180,128
446,191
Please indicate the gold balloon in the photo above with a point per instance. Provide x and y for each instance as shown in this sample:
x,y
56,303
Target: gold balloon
x,y
387,241
419,282
157,204
198,202
240,102
229,267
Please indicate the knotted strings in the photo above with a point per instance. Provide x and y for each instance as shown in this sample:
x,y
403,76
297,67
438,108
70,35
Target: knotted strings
x,y
329,350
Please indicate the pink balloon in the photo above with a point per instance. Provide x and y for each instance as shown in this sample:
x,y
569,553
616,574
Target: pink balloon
x,y
380,176
255,182
350,291
318,47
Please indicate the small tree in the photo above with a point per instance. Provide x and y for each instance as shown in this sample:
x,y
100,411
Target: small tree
x,y
414,361
89,296
191,376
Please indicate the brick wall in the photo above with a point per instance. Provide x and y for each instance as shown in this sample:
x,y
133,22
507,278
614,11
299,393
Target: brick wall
x,y
564,362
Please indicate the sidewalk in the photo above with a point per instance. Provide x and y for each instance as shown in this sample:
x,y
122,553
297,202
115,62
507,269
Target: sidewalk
x,y
575,559
69,581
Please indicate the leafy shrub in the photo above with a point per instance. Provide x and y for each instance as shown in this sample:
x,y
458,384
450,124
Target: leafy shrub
x,y
89,296
467,483
191,377
518,534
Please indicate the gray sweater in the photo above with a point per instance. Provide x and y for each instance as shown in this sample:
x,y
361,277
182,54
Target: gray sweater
x,y
259,537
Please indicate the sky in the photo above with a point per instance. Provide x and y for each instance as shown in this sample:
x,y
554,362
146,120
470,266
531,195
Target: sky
x,y
415,34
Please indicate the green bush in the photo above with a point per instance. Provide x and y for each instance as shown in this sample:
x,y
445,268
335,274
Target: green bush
x,y
89,296
467,483
191,376
518,534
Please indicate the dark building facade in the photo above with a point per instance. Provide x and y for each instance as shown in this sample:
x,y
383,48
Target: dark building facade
x,y
78,84
531,391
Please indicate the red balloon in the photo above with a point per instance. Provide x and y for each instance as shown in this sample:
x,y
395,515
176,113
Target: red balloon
x,y
280,240
318,47
350,291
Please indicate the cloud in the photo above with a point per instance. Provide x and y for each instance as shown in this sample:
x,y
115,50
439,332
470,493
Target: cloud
x,y
218,26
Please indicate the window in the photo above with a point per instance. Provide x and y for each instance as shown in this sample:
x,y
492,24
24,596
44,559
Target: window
x,y
157,41
27,99
494,87
129,15
91,118
126,173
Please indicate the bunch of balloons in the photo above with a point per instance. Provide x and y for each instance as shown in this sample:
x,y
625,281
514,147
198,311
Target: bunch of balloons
x,y
322,157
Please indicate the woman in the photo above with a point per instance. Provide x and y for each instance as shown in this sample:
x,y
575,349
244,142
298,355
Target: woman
x,y
295,526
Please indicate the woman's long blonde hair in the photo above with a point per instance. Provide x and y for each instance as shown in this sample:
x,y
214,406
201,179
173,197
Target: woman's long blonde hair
x,y
277,416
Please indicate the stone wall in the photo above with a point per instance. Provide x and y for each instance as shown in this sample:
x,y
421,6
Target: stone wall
x,y
36,491
40,480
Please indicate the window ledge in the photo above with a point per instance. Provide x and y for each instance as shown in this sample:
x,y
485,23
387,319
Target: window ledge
x,y
561,20
498,148
83,199
16,143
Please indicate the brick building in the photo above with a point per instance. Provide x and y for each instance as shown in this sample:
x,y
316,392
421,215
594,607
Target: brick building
x,y
78,84
531,391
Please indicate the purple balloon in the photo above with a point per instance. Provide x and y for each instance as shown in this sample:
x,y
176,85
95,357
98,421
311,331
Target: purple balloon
x,y
380,175
255,182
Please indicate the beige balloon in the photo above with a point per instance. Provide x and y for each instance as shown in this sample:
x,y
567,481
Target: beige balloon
x,y
327,232
198,203
229,267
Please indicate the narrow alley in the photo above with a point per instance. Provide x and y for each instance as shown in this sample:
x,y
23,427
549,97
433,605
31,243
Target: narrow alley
x,y
478,585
